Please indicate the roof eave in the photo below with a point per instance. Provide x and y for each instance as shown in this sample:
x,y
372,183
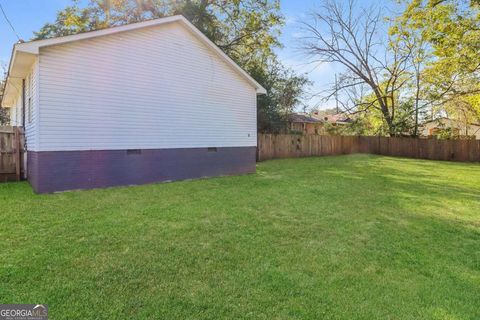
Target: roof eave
x,y
20,64
261,91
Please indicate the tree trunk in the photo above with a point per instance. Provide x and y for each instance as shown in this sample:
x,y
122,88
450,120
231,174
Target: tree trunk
x,y
417,98
385,112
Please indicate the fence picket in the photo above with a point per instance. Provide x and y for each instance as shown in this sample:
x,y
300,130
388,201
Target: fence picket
x,y
293,146
11,153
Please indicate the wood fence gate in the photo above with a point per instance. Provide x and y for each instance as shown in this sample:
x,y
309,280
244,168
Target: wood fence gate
x,y
12,146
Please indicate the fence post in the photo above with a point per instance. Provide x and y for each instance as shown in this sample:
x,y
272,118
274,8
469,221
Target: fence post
x,y
257,153
17,145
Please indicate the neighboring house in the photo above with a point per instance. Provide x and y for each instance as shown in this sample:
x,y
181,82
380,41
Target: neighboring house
x,y
304,123
140,103
434,127
333,119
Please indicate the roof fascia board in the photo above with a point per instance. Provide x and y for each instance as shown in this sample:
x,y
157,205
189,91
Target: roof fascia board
x,y
34,46
204,38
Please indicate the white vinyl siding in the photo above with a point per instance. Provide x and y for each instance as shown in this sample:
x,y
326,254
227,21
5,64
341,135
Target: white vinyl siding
x,y
16,110
152,88
14,113
31,112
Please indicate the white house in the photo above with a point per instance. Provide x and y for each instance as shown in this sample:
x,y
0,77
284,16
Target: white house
x,y
140,103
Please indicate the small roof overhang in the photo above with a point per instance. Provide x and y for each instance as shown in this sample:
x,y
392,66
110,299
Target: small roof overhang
x,y
20,65
23,54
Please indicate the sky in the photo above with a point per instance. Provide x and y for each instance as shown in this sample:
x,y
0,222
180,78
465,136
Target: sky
x,y
28,16
321,75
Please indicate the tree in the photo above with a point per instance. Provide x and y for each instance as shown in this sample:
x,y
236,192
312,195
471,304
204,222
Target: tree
x,y
340,34
246,30
71,20
285,91
404,34
450,30
427,63
4,116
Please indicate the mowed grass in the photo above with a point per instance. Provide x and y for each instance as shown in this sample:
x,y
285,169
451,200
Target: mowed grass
x,y
349,237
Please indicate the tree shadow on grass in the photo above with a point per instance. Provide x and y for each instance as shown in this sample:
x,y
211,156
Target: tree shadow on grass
x,y
420,227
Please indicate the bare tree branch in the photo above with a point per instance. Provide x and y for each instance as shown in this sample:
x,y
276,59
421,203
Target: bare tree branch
x,y
338,33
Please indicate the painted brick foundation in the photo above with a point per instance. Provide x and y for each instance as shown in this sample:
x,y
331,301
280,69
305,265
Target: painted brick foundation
x,y
52,171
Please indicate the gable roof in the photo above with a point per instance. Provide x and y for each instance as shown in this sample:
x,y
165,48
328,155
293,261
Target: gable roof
x,y
340,118
24,54
302,118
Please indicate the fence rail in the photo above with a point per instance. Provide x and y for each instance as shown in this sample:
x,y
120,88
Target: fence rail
x,y
11,153
292,146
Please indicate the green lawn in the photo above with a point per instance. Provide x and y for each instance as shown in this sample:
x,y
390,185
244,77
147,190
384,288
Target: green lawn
x,y
349,237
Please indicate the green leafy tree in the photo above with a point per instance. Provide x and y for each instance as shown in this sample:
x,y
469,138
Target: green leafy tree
x,y
4,116
450,62
71,20
285,91
404,34
368,120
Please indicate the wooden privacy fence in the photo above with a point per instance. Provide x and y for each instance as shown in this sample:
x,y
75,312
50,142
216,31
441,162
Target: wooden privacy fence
x,y
292,146
11,153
